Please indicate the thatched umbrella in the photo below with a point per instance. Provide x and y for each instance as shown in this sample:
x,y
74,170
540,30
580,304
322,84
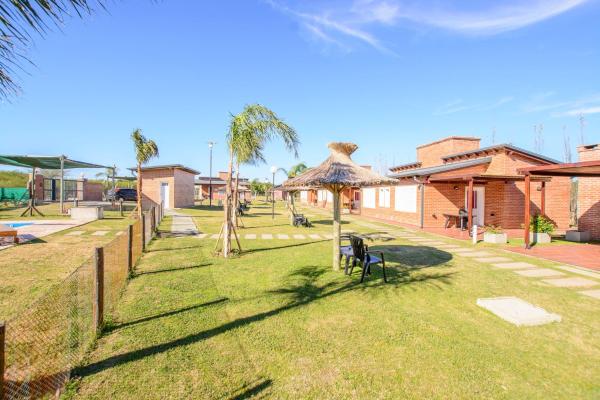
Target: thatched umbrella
x,y
335,174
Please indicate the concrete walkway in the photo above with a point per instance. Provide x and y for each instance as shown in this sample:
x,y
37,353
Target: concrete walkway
x,y
40,228
181,225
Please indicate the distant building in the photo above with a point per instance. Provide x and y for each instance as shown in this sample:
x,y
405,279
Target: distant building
x,y
173,185
203,186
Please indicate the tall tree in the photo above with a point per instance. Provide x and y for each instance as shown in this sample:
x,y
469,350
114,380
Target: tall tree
x,y
145,150
296,170
249,131
17,19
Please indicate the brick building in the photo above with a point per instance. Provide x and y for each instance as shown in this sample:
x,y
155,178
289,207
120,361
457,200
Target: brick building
x,y
588,194
171,184
203,186
48,189
436,187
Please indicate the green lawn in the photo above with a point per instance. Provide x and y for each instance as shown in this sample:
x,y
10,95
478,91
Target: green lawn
x,y
29,269
277,322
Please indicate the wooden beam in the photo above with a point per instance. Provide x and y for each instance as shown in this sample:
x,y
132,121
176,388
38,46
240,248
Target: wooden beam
x,y
527,209
470,205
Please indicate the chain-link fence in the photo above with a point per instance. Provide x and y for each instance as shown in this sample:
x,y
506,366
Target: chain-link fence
x,y
39,347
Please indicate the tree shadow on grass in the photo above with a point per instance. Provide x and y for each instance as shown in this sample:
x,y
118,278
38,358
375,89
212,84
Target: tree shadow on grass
x,y
114,327
160,271
172,249
261,249
300,294
252,389
413,256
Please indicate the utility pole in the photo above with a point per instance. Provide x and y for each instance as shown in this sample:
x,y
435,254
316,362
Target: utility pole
x,y
210,146
581,128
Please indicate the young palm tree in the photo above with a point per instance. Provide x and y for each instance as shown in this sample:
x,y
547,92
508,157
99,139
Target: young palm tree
x,y
297,170
249,131
17,17
144,151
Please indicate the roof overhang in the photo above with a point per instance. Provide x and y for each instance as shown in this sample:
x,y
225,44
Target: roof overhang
x,y
495,149
46,162
580,169
444,168
168,166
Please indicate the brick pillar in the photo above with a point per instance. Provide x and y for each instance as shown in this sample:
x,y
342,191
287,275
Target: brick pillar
x,y
588,194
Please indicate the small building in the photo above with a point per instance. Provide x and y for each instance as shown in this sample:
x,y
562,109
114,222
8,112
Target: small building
x,y
434,190
588,194
204,185
173,185
48,189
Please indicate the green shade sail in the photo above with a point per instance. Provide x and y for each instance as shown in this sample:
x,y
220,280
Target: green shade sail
x,y
45,162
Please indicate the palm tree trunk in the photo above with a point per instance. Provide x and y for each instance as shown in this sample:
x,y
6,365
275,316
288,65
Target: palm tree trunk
x,y
236,196
228,204
336,228
139,190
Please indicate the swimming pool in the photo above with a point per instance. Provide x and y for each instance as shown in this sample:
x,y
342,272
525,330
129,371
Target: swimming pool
x,y
19,224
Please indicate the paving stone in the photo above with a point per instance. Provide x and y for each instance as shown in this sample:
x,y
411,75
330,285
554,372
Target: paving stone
x,y
490,260
539,272
417,239
200,235
517,311
299,236
514,265
592,293
460,250
119,233
250,236
266,236
328,236
571,282
99,233
75,233
282,236
314,236
214,236
477,254
579,271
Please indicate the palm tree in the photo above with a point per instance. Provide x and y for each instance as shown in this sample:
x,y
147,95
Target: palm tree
x,y
249,131
16,18
296,170
144,151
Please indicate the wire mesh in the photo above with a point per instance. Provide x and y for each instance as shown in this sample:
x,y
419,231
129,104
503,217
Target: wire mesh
x,y
45,342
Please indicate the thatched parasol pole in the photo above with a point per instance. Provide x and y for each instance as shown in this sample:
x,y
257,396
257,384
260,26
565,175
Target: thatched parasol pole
x,y
336,190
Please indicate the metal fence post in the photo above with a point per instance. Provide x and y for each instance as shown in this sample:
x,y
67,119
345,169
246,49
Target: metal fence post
x,y
2,359
129,248
98,289
143,232
153,220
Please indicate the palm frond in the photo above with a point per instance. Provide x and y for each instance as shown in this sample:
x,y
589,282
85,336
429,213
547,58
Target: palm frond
x,y
144,149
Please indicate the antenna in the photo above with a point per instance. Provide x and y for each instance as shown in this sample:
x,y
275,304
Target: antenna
x,y
494,135
538,140
567,145
581,129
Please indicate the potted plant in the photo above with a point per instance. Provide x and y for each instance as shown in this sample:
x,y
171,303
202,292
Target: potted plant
x,y
540,229
495,234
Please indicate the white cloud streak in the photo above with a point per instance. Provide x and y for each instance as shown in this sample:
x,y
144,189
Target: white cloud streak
x,y
459,105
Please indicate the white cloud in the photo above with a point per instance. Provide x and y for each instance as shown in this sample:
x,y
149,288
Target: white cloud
x,y
459,105
543,102
358,20
584,111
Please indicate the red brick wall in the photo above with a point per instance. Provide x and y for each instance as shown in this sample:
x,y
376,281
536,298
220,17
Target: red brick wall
x,y
181,186
431,154
184,189
588,198
92,191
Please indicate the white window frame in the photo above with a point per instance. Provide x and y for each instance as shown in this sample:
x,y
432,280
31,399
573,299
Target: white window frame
x,y
368,198
384,197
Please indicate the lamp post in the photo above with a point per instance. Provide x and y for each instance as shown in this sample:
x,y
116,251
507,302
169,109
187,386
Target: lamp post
x,y
273,170
210,146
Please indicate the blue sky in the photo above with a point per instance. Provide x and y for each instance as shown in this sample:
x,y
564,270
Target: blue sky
x,y
387,75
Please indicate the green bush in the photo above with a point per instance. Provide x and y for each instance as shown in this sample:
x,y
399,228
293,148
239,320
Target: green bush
x,y
495,229
541,224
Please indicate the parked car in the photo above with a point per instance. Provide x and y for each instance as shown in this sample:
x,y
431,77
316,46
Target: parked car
x,y
122,193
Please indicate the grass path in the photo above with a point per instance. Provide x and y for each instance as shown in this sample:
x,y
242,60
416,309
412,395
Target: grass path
x,y
277,322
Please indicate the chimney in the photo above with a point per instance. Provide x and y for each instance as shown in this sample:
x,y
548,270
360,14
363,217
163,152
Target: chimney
x,y
223,175
589,152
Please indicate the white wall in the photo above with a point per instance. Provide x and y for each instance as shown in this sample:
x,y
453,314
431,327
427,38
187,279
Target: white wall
x,y
384,197
405,198
368,198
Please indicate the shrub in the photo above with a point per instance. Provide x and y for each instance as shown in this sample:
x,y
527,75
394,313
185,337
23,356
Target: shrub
x,y
541,224
495,229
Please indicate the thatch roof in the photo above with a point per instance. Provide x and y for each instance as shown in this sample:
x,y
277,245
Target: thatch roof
x,y
338,170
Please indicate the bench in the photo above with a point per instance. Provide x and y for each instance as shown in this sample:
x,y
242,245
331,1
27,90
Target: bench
x,y
7,231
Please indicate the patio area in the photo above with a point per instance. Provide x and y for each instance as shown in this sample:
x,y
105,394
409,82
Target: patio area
x,y
581,255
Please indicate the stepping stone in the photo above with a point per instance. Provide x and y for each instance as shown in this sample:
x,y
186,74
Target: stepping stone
x,y
435,243
490,260
518,311
419,240
328,236
266,236
200,235
539,273
250,236
75,233
448,246
119,233
99,233
571,282
477,254
214,236
314,236
514,265
460,250
282,236
579,271
298,236
592,293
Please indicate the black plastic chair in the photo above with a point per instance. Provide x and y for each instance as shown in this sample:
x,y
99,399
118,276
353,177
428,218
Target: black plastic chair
x,y
365,258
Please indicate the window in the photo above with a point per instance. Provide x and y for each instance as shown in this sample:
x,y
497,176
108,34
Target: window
x,y
304,195
322,195
368,196
384,197
406,198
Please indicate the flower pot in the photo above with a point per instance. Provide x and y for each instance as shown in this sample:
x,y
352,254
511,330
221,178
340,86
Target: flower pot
x,y
538,237
578,236
497,238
